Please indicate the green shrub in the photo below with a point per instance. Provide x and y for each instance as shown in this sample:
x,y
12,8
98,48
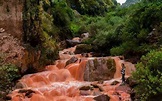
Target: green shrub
x,y
9,73
91,7
74,28
149,76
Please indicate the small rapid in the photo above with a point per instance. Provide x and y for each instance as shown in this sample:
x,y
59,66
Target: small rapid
x,y
75,77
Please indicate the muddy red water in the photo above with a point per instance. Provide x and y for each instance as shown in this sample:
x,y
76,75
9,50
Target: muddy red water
x,y
76,81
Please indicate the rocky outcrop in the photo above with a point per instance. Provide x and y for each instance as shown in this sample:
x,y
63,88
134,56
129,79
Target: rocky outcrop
x,y
11,17
72,43
101,68
83,48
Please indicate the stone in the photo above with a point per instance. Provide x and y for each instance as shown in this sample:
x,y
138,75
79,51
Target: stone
x,y
124,88
97,86
115,83
84,35
86,88
28,92
102,98
99,69
96,93
71,60
83,48
19,85
72,43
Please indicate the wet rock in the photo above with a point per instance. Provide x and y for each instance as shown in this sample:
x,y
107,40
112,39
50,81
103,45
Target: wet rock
x,y
27,92
97,86
96,93
83,48
71,60
124,88
102,98
99,69
115,83
86,88
84,54
19,85
84,36
131,82
71,43
85,93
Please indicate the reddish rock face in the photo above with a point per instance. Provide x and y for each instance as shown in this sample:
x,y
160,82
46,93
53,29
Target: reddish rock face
x,y
11,17
85,79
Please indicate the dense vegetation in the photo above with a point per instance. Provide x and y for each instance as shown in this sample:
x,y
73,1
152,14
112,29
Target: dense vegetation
x,y
48,22
134,32
149,76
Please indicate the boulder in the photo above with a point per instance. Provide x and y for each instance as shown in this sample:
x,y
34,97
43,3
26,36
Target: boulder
x,y
102,98
28,92
19,85
84,36
124,88
99,69
71,60
72,43
115,83
83,48
86,88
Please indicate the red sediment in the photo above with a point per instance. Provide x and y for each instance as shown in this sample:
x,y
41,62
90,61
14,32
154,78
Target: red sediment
x,y
61,63
60,83
73,68
80,70
51,67
118,67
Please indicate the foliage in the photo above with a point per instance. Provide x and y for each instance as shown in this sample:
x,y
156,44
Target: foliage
x,y
9,73
91,7
129,2
127,31
149,75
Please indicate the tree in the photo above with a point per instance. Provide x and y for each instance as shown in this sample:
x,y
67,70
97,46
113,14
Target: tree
x,y
149,76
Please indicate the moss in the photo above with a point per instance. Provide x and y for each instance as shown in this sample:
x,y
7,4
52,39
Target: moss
x,y
9,73
111,65
39,30
95,61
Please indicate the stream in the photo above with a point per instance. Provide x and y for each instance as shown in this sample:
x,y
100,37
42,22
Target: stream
x,y
76,77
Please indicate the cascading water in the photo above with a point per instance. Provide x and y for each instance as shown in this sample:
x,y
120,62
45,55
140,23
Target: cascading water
x,y
85,79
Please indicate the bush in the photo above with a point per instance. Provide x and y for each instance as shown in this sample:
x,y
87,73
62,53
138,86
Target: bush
x,y
9,73
91,7
149,76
